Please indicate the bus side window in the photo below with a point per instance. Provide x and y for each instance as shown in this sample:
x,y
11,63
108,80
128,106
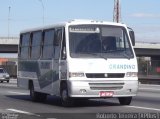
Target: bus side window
x,y
58,37
24,46
48,48
36,44
57,41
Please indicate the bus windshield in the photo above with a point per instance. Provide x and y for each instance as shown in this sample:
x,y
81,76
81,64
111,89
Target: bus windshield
x,y
99,41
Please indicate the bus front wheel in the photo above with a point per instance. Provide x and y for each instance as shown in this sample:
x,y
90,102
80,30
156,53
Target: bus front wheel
x,y
65,99
125,100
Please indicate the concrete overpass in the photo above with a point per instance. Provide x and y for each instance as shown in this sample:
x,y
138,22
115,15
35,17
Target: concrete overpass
x,y
10,45
147,49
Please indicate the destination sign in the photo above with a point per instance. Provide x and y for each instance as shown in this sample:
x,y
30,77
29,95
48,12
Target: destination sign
x,y
84,29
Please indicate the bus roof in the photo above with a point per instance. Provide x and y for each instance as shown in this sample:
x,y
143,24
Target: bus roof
x,y
74,22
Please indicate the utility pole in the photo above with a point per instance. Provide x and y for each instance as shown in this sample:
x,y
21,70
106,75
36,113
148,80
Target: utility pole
x,y
117,11
9,10
43,10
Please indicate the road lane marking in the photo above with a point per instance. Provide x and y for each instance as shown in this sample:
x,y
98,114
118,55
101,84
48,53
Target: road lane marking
x,y
23,112
149,89
146,108
18,93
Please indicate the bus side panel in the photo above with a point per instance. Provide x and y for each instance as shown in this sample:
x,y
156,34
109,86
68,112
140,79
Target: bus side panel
x,y
28,70
46,76
56,79
22,82
43,73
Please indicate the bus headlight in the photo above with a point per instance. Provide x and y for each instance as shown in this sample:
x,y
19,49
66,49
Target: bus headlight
x,y
76,74
131,74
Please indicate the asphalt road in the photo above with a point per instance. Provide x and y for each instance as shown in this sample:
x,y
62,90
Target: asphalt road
x,y
15,103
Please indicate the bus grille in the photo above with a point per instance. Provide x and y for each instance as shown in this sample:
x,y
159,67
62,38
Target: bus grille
x,y
105,75
106,86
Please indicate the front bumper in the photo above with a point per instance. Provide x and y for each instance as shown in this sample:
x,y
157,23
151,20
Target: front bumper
x,y
4,78
92,88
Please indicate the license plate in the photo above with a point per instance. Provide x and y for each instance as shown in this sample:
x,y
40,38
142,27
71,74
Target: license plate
x,y
105,94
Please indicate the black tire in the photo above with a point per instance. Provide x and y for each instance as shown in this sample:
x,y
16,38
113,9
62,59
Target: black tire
x,y
1,81
33,94
125,100
36,96
8,81
65,99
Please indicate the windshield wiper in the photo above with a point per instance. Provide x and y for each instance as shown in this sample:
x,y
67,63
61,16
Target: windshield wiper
x,y
95,54
98,54
123,52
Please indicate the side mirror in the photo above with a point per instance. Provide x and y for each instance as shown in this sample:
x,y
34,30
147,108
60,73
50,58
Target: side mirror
x,y
132,36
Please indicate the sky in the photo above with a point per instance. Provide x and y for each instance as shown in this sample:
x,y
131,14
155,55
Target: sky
x,y
142,15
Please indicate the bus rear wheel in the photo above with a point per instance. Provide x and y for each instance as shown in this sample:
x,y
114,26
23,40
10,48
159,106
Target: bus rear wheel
x,y
125,100
36,96
65,99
